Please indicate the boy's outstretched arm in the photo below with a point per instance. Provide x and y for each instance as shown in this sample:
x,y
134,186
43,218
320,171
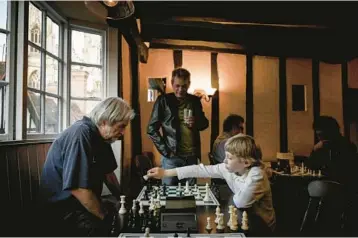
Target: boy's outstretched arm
x,y
160,173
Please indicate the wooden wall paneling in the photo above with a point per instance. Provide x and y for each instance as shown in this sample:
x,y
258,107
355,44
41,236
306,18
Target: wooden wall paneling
x,y
4,177
34,169
25,175
316,93
14,179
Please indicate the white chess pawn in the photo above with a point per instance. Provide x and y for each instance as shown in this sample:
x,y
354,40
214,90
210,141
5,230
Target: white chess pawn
x,y
245,221
220,225
122,210
206,198
208,224
147,230
141,210
133,206
187,187
319,173
217,213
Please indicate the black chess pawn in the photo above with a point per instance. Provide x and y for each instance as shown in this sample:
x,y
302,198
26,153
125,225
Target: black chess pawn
x,y
188,232
175,235
164,190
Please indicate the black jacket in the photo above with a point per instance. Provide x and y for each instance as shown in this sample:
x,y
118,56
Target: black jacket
x,y
165,116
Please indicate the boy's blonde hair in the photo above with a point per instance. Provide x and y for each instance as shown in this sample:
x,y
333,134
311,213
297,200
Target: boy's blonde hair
x,y
244,148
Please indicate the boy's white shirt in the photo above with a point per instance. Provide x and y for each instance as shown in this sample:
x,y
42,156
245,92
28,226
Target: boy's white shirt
x,y
251,189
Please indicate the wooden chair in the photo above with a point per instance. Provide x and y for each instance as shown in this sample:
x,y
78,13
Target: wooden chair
x,y
324,215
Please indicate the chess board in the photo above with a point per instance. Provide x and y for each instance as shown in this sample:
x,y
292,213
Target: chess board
x,y
182,235
172,191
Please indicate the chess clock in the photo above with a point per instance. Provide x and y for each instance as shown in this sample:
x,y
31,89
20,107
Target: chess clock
x,y
179,215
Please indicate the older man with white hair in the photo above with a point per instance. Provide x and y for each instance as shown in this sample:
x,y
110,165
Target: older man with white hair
x,y
77,164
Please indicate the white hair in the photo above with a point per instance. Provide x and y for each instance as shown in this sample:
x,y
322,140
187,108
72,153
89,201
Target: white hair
x,y
113,110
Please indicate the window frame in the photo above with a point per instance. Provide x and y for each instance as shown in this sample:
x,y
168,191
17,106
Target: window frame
x,y
47,11
104,64
10,32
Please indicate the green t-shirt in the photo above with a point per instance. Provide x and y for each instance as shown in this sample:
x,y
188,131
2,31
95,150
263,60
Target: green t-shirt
x,y
186,145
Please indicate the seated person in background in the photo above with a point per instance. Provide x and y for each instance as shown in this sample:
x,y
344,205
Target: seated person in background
x,y
242,170
233,125
334,154
77,164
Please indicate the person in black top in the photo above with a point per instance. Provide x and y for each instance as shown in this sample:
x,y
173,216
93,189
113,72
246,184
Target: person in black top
x,y
79,161
334,154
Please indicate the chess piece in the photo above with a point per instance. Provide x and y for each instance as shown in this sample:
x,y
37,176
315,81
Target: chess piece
x,y
179,187
147,230
231,208
217,213
319,173
245,221
122,210
187,187
208,227
141,210
134,208
151,205
176,235
220,227
188,232
234,224
206,198
164,190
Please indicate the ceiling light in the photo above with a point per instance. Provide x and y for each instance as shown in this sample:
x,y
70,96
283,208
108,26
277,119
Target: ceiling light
x,y
110,3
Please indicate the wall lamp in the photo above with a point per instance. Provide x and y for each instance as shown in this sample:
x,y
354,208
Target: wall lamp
x,y
205,94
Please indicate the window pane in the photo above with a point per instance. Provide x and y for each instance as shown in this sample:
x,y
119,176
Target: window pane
x,y
3,49
34,68
3,14
3,108
80,108
51,115
33,112
86,48
51,75
35,24
86,81
53,36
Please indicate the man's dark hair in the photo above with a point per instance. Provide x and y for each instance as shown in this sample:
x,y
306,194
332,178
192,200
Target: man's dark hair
x,y
232,121
326,124
181,73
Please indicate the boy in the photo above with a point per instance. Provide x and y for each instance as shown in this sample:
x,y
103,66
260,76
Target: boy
x,y
243,171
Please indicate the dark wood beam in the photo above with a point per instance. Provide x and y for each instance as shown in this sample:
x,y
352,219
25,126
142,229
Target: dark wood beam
x,y
130,31
316,93
249,97
215,114
283,105
328,45
294,13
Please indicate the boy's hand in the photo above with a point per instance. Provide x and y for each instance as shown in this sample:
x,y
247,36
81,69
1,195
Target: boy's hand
x,y
156,172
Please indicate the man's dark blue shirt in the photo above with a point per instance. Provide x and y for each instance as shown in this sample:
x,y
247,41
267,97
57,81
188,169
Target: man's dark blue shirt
x,y
78,158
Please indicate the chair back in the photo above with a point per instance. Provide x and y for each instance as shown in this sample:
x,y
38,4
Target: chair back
x,y
142,164
324,215
211,159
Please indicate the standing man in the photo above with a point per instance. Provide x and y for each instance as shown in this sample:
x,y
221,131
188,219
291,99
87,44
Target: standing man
x,y
233,125
77,164
180,116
